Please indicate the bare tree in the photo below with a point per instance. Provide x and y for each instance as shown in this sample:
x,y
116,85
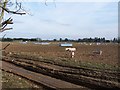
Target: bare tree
x,y
5,7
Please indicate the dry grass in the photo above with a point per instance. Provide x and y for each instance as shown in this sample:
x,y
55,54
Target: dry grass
x,y
10,80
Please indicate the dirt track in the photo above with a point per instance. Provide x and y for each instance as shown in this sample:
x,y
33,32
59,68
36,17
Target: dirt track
x,y
39,78
91,78
57,65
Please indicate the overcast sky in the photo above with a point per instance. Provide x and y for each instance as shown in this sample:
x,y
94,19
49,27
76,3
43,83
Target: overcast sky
x,y
71,20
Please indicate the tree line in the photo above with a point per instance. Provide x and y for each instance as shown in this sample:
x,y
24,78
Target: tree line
x,y
96,39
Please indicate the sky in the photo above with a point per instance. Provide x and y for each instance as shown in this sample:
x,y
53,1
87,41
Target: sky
x,y
71,20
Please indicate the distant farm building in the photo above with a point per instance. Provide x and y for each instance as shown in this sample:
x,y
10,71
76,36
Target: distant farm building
x,y
42,43
66,45
45,43
25,42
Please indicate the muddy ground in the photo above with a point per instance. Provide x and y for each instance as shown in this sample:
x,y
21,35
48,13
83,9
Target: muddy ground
x,y
84,52
85,68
